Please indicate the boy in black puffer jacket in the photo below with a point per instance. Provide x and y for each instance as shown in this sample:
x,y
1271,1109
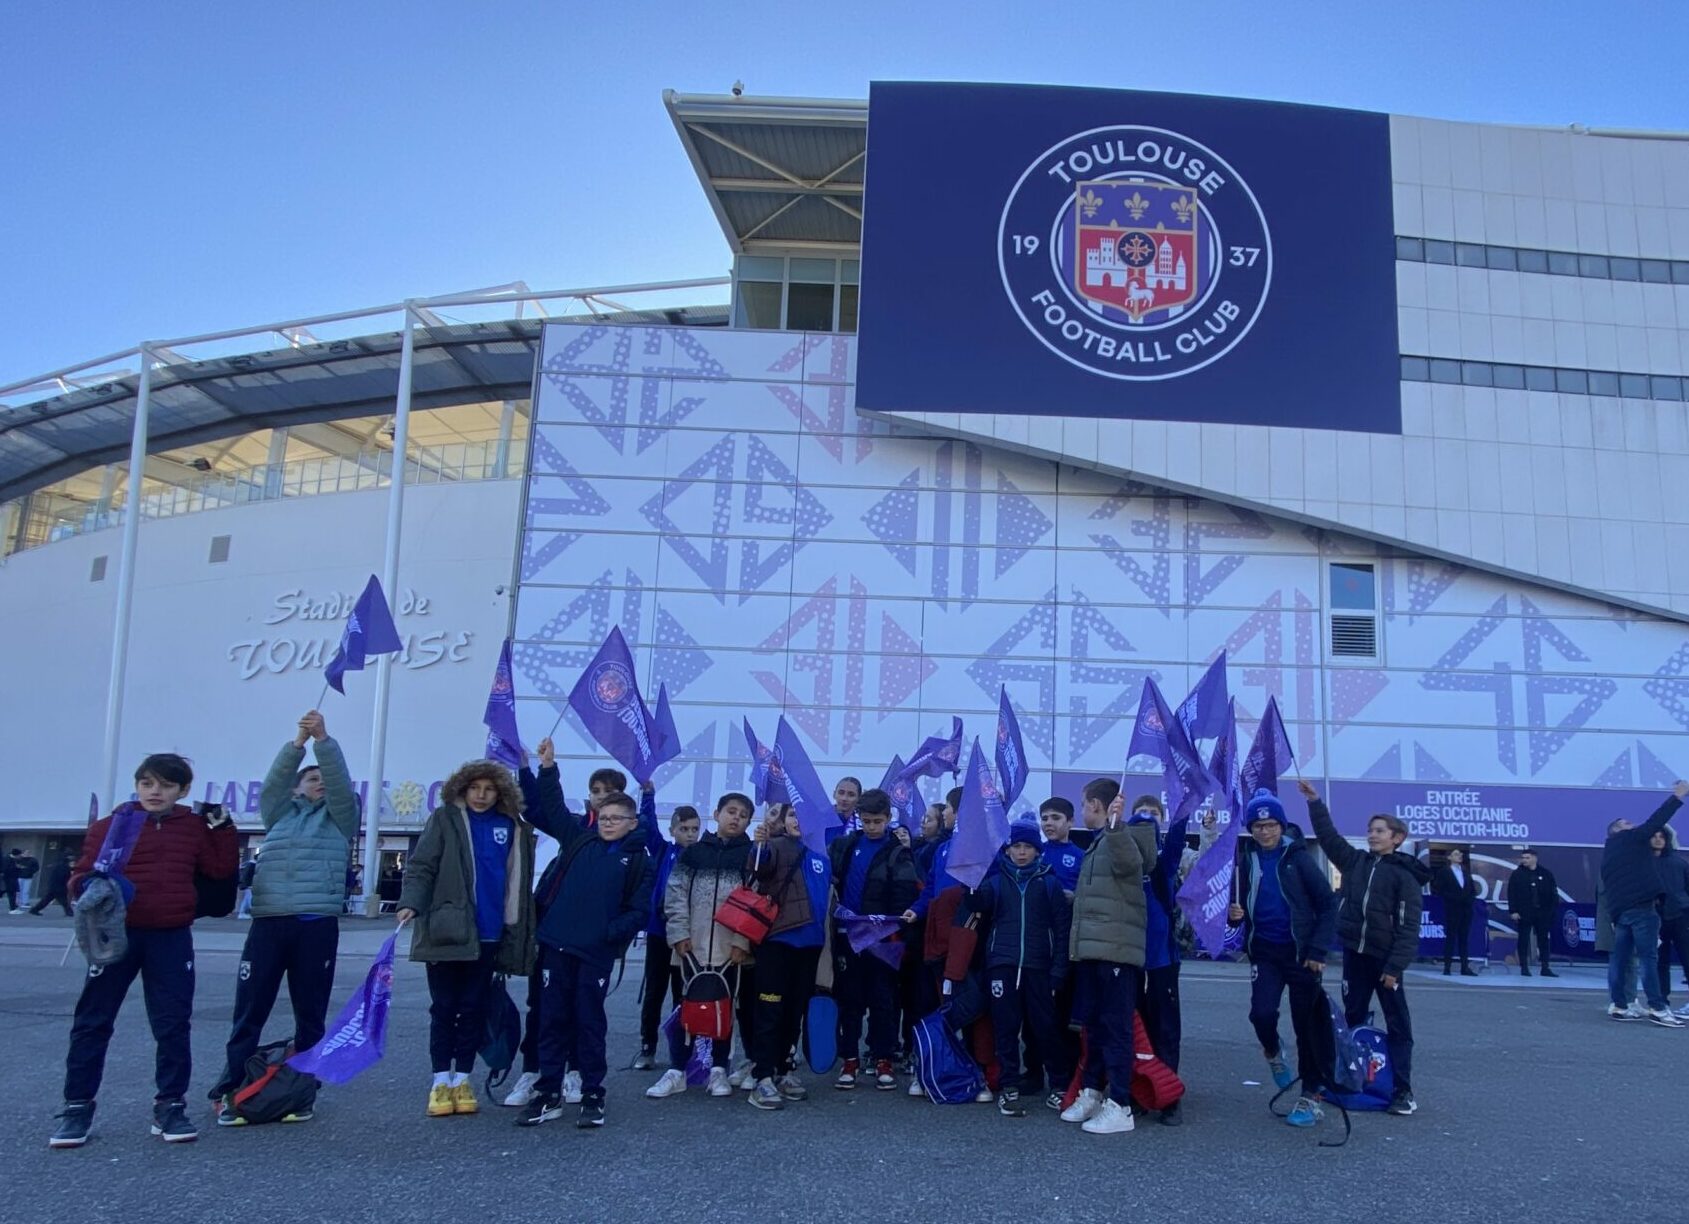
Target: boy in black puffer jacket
x,y
1378,924
1024,921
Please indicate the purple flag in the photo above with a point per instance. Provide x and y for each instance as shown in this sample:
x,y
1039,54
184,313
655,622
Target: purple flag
x,y
982,824
907,804
763,785
93,808
358,1036
1268,755
1206,894
791,769
504,744
1011,752
872,933
937,754
369,631
698,1065
607,699
666,730
1158,734
1203,713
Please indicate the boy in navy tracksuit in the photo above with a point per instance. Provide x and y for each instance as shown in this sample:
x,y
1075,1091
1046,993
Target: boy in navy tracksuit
x,y
1024,920
1159,1004
600,897
662,978
1289,917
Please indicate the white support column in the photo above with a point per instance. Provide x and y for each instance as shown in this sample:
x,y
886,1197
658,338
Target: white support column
x,y
274,462
126,581
506,426
108,490
389,583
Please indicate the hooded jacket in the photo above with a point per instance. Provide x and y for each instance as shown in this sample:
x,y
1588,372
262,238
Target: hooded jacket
x,y
306,844
1025,917
1630,870
1161,886
169,849
1532,893
1110,907
1379,904
1313,906
1674,879
440,878
705,873
779,867
891,887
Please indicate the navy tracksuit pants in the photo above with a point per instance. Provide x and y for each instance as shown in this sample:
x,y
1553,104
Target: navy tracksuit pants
x,y
573,1027
1109,996
1273,967
1023,1002
164,960
303,951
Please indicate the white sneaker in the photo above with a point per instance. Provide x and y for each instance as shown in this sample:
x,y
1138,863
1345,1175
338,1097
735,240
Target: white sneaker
x,y
1111,1119
1663,1017
1682,1013
1084,1107
572,1088
720,1085
985,1097
742,1077
523,1090
915,1089
672,1083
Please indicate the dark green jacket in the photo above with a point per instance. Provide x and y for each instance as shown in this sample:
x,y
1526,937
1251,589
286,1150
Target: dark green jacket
x,y
1110,907
302,869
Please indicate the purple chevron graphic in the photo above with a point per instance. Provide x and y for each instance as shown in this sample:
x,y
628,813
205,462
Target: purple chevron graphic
x,y
1593,691
550,669
1637,767
1424,587
1124,681
765,472
1388,767
540,547
1020,525
1245,525
991,671
1669,688
894,520
678,660
713,470
1445,678
1155,583
903,666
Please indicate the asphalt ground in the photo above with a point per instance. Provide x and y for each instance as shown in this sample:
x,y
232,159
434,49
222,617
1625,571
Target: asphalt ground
x,y
1533,1106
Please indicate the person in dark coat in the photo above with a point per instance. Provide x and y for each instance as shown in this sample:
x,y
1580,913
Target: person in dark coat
x,y
1631,889
1532,898
1455,884
1674,911
57,889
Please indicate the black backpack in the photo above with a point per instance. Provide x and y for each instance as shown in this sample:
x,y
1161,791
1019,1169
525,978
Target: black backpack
x,y
271,1089
503,1038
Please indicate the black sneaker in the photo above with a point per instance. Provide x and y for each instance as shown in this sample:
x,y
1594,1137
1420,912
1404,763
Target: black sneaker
x,y
170,1122
1008,1104
1402,1103
1171,1116
1547,972
75,1121
543,1108
592,1114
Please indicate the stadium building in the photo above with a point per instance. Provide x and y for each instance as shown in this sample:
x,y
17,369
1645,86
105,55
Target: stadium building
x,y
1077,387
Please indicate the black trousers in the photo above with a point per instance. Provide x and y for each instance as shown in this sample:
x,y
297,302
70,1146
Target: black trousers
x,y
1108,996
1273,967
785,980
573,1026
1160,1007
1457,929
165,962
1022,1001
1674,932
661,991
531,1022
1529,926
457,1011
303,951
1362,976
865,986
59,895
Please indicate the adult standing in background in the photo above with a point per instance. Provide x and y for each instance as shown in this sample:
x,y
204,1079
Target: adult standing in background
x,y
1455,885
1674,911
1532,898
56,887
1631,889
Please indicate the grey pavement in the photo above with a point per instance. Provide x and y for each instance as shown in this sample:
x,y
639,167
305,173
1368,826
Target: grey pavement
x,y
1534,1106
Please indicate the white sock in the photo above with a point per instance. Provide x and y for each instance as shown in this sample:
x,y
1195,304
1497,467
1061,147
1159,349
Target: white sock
x,y
459,1077
442,1079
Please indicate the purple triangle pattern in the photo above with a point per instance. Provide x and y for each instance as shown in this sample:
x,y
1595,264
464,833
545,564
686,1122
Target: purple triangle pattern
x,y
992,669
713,469
1387,768
1020,524
894,519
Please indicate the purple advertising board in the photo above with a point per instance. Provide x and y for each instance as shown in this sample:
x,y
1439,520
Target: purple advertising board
x,y
1482,812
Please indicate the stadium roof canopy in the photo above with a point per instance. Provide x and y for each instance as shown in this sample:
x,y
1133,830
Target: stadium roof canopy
x,y
779,172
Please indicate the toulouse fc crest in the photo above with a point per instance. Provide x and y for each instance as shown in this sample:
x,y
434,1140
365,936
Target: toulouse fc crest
x,y
1134,253
611,686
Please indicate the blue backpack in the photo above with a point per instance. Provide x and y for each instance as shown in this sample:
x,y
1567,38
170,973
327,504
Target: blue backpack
x,y
1378,1082
942,1065
1346,1056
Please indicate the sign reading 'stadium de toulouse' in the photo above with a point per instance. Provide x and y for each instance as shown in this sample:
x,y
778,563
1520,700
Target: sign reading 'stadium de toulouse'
x,y
1051,251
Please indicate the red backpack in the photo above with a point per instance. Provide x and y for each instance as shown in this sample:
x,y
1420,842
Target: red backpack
x,y
706,1007
1155,1085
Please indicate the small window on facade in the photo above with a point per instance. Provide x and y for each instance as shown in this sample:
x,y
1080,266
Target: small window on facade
x,y
1594,266
1656,271
1625,269
1665,387
1631,386
1416,369
1572,382
1444,371
1533,261
1469,254
1562,263
809,307
1354,610
847,308
1353,587
219,549
1502,259
1438,252
1601,382
1511,377
1412,249
1475,373
758,305
97,572
1539,378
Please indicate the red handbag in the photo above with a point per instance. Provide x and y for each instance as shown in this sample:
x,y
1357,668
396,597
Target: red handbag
x,y
747,912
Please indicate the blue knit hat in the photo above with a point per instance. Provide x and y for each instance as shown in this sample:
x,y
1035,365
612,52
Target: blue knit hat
x,y
1026,831
1264,806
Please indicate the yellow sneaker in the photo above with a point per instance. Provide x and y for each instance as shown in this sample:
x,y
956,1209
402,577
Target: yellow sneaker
x,y
440,1102
463,1099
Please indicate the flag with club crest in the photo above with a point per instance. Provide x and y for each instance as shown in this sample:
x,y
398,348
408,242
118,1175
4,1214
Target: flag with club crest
x,y
982,823
764,787
804,791
666,730
1159,734
607,699
1269,755
1011,751
369,631
937,754
908,806
357,1038
1203,713
504,744
1206,894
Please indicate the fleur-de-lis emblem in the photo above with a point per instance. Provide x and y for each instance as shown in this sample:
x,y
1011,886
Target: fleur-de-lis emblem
x,y
1089,203
1185,208
1137,205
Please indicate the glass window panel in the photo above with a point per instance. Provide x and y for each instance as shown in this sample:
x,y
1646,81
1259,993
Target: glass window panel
x,y
814,271
1539,378
1595,266
1502,259
1511,377
1533,261
1601,382
1680,272
1656,271
1665,387
847,308
1469,255
762,267
1353,587
1572,382
1411,249
1632,386
1625,269
1437,251
1562,263
809,308
1475,373
758,305
1444,371
1416,369
850,271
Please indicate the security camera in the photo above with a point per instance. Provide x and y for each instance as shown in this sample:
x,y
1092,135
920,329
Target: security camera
x,y
738,89
498,590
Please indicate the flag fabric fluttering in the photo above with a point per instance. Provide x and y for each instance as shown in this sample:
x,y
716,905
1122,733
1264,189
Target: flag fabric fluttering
x,y
937,754
804,791
607,699
1269,754
1011,750
1203,713
358,1036
764,786
1159,734
982,823
369,631
666,730
504,743
93,808
908,805
872,934
1206,894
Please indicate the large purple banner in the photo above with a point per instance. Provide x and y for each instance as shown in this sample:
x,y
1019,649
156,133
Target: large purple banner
x,y
1515,815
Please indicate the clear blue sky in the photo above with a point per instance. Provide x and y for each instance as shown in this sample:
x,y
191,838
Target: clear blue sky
x,y
177,167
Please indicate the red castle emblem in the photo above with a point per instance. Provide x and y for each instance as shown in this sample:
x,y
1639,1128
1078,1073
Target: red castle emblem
x,y
1136,245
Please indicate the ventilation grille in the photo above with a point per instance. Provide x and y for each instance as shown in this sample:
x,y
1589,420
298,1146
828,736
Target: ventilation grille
x,y
97,573
219,549
1354,637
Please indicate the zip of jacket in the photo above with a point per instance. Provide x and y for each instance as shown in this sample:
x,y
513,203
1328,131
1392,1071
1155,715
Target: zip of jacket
x,y
1366,895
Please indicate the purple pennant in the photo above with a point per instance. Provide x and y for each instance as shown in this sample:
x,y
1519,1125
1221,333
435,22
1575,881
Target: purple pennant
x,y
1159,734
907,805
1269,755
607,699
938,754
1203,713
1206,894
358,1036
369,631
504,743
982,824
872,934
1011,751
792,770
666,730
764,786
